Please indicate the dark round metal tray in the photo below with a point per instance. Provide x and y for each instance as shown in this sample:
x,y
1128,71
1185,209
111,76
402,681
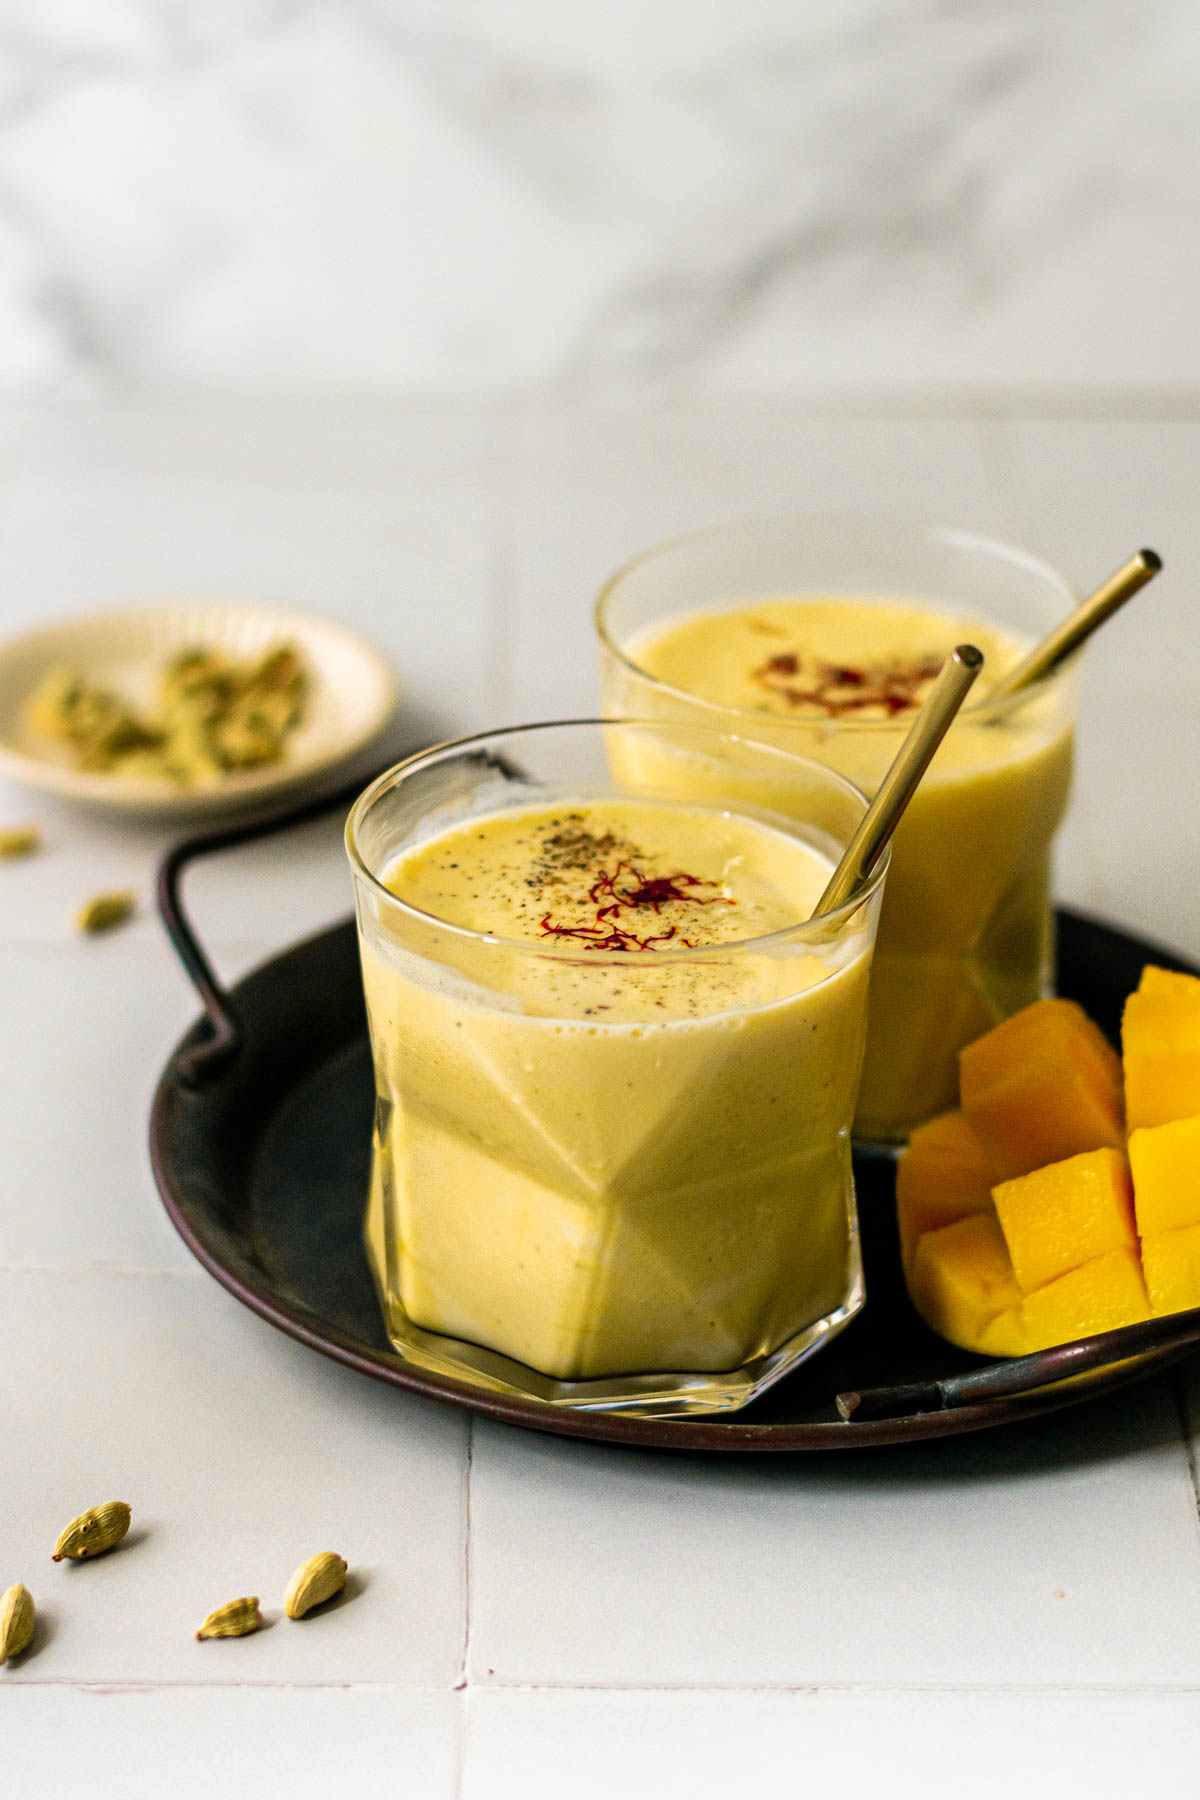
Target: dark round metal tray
x,y
260,1140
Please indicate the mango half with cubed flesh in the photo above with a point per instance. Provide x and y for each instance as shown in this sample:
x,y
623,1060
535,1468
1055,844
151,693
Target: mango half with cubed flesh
x,y
1058,1260
1089,1238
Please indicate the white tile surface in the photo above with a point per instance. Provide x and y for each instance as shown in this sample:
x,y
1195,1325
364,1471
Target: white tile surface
x,y
1138,794
261,896
377,519
1087,493
911,1746
589,489
1064,1551
382,518
240,1743
980,1575
86,1026
241,1454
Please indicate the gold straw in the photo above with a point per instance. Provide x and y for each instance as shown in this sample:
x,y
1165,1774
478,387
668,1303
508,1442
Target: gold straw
x,y
899,784
1076,629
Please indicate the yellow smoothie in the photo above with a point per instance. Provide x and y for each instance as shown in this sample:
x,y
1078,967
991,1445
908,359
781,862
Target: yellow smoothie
x,y
613,1136
964,936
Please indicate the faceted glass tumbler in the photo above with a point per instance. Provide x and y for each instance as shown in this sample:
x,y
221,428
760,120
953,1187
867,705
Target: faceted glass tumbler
x,y
655,1214
965,937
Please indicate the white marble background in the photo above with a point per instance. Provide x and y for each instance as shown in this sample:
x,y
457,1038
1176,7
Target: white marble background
x,y
487,196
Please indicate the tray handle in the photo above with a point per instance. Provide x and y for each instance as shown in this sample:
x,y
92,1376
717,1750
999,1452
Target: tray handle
x,y
194,1066
1008,1380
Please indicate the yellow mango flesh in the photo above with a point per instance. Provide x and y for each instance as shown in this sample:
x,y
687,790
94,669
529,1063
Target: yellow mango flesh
x,y
962,1279
1165,1160
1100,1295
1042,1086
1160,1037
942,1176
1171,1260
1168,984
1061,1258
1005,1336
1058,1217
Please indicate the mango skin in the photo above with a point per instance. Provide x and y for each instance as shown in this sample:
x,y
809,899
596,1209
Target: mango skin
x,y
1063,1256
1042,1086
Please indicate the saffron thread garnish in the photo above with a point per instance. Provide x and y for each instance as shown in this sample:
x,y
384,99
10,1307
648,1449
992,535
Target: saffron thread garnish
x,y
626,890
839,689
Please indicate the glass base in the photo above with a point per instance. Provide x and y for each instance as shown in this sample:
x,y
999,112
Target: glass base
x,y
662,1396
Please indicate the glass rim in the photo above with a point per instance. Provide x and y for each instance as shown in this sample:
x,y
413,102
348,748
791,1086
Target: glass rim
x,y
983,709
825,924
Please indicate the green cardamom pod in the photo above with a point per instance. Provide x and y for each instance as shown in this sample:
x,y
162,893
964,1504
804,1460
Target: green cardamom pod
x,y
315,1581
234,1619
17,1616
94,1532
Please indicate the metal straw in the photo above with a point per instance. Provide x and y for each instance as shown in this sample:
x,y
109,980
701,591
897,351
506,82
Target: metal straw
x,y
899,784
1076,629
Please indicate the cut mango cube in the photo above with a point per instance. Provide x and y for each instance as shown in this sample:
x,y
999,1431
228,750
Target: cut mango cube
x,y
1165,1160
1056,1218
962,1278
1102,1294
1041,1087
1160,1035
1005,1336
1045,1103
1171,1261
1168,985
942,1176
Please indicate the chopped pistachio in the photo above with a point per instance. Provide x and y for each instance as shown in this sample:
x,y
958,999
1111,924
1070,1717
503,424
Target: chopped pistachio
x,y
215,714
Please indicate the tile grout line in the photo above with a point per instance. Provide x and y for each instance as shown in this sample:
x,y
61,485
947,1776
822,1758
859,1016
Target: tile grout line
x,y
99,1684
461,1685
468,1550
126,1271
461,1744
866,1690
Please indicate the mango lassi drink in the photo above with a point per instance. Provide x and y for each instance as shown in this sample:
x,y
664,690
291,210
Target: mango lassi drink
x,y
615,1077
965,933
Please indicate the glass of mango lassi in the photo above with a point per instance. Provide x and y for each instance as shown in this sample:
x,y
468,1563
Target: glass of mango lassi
x,y
823,636
616,1061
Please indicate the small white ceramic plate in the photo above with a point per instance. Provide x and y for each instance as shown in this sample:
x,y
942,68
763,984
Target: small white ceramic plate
x,y
351,698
